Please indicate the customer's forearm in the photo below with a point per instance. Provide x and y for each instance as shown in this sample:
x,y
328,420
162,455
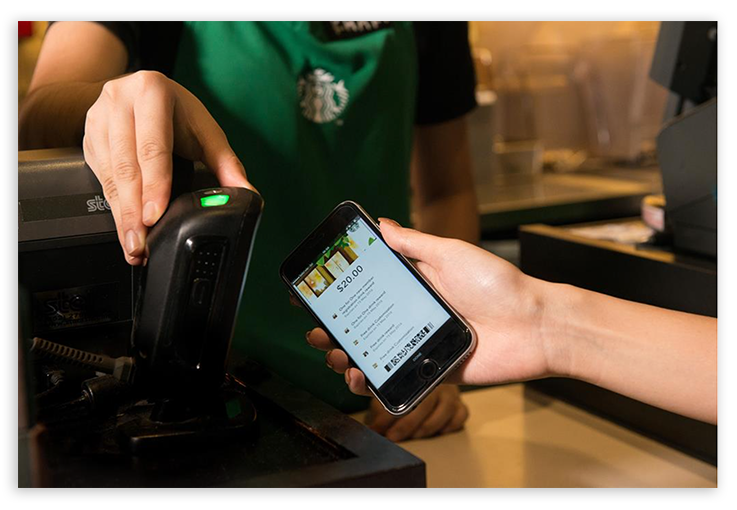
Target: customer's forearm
x,y
661,357
54,115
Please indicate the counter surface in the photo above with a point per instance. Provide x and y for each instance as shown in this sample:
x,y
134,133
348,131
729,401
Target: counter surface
x,y
517,437
600,193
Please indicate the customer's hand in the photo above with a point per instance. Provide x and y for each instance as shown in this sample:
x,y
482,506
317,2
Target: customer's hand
x,y
528,328
502,305
130,134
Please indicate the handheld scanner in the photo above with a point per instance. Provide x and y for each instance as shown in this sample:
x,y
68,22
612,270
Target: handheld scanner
x,y
198,256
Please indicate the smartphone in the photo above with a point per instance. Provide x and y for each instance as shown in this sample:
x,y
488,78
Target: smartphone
x,y
377,308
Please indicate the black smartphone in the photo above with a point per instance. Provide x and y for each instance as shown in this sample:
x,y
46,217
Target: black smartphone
x,y
377,308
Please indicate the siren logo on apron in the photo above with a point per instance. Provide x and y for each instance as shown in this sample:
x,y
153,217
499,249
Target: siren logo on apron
x,y
320,97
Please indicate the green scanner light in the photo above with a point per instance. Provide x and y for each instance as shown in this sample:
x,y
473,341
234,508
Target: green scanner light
x,y
214,200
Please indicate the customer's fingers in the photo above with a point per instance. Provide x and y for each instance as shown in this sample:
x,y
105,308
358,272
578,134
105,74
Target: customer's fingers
x,y
337,360
294,301
356,382
319,339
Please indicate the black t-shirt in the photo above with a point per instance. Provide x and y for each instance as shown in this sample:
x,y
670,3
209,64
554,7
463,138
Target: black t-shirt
x,y
446,82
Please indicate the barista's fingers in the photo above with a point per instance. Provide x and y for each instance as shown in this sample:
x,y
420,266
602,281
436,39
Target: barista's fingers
x,y
97,156
318,339
356,382
215,149
154,112
337,360
127,176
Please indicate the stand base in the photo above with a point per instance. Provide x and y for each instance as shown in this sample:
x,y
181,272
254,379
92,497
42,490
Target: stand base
x,y
224,415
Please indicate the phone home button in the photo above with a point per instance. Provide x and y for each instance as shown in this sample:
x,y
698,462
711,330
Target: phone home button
x,y
428,369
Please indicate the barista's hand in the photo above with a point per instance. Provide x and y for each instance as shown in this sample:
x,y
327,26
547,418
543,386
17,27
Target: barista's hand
x,y
130,133
441,412
501,303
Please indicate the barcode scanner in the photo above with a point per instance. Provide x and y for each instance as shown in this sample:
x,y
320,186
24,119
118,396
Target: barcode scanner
x,y
191,286
198,256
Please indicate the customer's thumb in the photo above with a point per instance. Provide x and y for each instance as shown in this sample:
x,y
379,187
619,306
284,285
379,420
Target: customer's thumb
x,y
410,242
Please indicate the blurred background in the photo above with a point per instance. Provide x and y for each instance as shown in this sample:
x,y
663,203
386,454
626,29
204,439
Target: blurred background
x,y
568,91
30,36
538,72
566,123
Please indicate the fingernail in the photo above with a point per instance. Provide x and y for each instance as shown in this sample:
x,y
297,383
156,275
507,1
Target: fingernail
x,y
327,359
348,377
150,213
132,242
307,337
389,221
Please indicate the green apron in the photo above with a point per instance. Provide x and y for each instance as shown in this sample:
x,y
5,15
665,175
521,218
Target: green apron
x,y
316,120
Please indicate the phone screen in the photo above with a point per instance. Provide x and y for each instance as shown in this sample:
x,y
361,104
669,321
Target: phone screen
x,y
376,309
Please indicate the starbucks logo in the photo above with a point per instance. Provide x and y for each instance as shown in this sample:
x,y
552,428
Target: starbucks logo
x,y
320,97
